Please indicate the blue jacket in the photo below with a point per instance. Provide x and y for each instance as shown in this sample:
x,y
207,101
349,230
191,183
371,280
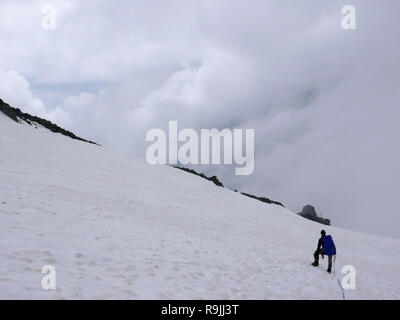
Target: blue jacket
x,y
329,246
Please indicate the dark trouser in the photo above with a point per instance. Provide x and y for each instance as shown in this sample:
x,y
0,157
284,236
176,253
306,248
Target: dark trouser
x,y
316,257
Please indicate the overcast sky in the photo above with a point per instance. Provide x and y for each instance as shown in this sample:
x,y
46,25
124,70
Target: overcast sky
x,y
324,101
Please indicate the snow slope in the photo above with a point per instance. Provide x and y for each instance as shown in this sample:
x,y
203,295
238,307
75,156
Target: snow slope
x,y
115,227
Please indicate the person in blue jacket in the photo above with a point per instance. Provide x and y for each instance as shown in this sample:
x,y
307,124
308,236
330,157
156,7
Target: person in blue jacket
x,y
327,247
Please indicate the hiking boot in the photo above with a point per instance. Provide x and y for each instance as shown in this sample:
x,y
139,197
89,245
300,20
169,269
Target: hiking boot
x,y
329,270
315,264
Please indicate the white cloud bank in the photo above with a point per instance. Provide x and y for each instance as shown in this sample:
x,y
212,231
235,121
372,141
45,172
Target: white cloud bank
x,y
16,91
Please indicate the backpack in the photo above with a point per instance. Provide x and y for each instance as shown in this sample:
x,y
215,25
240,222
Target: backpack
x,y
329,246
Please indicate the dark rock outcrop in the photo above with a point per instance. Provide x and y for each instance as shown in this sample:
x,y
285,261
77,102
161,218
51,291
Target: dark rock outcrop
x,y
262,199
18,116
213,179
217,182
309,213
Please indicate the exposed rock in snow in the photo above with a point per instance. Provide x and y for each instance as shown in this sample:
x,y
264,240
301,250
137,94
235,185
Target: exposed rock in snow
x,y
18,116
309,212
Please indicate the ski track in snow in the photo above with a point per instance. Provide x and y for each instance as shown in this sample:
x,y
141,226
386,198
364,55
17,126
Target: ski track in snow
x,y
116,228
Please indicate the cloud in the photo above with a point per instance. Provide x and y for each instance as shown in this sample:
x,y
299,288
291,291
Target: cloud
x,y
16,91
323,101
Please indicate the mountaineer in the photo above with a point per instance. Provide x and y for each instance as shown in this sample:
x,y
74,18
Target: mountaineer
x,y
325,246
